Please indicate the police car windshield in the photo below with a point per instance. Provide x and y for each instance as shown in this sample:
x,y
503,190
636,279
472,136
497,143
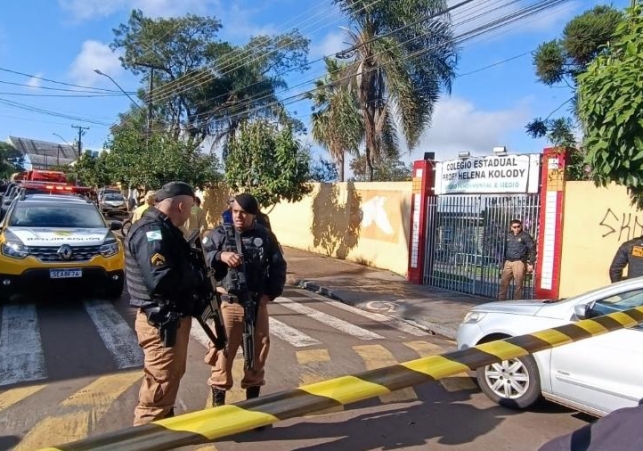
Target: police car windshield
x,y
44,215
113,196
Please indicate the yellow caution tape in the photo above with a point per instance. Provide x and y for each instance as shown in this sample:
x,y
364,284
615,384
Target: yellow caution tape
x,y
211,424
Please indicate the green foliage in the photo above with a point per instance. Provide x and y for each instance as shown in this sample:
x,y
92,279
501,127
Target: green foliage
x,y
390,169
611,107
323,171
267,162
563,60
203,86
11,160
134,160
337,122
399,66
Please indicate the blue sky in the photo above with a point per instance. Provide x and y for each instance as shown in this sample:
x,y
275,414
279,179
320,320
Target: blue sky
x,y
65,40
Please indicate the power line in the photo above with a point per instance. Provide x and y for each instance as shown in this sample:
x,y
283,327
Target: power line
x,y
427,17
515,57
266,95
471,34
36,77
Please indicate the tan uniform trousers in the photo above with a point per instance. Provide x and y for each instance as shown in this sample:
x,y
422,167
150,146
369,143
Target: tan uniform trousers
x,y
163,369
221,376
512,270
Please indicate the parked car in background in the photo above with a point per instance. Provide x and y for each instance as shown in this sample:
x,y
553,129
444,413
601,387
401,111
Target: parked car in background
x,y
112,203
596,375
59,242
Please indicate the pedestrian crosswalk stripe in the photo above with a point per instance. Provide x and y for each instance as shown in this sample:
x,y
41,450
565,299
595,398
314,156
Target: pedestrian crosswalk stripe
x,y
329,320
313,367
11,397
77,414
118,337
389,320
22,358
377,356
290,335
424,348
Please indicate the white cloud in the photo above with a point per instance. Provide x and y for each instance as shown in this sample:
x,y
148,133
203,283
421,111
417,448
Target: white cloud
x,y
330,44
95,55
35,82
459,126
89,9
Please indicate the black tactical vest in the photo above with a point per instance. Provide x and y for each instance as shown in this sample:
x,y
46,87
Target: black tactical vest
x,y
254,244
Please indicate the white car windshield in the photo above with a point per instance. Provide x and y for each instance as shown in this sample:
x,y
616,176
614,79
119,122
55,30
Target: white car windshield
x,y
113,196
43,215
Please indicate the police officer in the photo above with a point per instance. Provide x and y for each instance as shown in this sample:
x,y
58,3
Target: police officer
x,y
629,254
520,252
161,280
265,270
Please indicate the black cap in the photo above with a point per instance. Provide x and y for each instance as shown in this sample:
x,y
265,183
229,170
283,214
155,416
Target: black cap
x,y
248,203
173,189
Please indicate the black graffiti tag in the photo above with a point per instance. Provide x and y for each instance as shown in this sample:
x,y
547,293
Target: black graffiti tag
x,y
628,225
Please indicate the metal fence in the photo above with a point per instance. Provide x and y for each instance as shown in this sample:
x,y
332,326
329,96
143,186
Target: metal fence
x,y
466,240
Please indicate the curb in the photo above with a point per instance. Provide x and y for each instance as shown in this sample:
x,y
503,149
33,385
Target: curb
x,y
428,326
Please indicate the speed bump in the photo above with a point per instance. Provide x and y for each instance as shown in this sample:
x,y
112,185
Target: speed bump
x,y
211,424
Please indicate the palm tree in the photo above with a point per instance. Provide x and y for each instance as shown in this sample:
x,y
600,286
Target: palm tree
x,y
336,122
399,64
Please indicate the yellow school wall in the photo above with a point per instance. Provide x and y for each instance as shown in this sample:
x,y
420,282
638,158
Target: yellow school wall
x,y
596,221
363,222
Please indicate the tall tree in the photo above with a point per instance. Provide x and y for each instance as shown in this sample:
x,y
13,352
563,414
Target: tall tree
x,y
561,61
11,160
204,87
611,107
399,65
337,124
389,169
267,162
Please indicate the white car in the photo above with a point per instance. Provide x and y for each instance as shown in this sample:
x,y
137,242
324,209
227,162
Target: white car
x,y
596,375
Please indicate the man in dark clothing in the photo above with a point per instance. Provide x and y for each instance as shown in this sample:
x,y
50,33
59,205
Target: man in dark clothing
x,y
229,245
629,254
161,280
520,252
618,431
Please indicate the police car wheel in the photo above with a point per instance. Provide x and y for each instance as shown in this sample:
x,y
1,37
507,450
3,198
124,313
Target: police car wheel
x,y
513,383
114,289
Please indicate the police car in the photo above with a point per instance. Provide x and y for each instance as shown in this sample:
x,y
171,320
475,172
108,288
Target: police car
x,y
58,241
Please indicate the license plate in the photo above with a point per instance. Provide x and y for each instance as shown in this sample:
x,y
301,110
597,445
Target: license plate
x,y
65,273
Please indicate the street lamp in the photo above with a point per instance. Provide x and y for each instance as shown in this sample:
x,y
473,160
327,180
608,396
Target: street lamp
x,y
119,87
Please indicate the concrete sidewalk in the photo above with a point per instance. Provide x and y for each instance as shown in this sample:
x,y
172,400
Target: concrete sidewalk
x,y
438,311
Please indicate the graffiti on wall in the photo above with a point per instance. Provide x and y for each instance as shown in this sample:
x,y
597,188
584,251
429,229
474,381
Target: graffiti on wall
x,y
381,217
621,226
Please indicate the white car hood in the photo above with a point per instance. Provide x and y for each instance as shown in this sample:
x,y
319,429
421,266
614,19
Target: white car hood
x,y
512,307
51,236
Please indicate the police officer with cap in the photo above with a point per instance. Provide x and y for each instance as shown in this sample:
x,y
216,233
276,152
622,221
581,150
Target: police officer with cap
x,y
161,281
629,254
265,271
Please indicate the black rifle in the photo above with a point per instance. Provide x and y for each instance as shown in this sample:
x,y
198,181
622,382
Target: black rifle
x,y
250,306
208,301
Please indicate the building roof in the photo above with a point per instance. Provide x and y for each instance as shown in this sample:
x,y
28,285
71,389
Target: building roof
x,y
42,154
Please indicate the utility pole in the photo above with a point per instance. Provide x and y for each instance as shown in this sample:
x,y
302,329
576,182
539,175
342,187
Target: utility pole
x,y
150,102
80,137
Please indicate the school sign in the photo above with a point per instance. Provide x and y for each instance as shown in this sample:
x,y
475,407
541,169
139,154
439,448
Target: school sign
x,y
488,175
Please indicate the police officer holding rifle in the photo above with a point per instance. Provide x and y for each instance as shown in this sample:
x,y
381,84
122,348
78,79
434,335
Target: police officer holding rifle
x,y
251,270
168,282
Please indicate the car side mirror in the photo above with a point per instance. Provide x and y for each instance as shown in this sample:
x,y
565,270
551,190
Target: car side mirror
x,y
115,225
580,311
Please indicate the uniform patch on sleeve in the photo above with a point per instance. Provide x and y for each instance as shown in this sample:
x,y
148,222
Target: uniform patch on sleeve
x,y
157,259
637,251
154,235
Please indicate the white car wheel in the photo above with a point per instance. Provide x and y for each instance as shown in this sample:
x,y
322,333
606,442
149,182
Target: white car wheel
x,y
513,383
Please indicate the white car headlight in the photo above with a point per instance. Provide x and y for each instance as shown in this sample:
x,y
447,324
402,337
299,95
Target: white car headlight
x,y
474,317
13,247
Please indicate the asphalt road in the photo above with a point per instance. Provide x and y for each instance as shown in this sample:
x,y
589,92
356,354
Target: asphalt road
x,y
70,368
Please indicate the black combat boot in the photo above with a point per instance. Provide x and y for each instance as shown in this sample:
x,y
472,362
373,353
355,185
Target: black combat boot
x,y
218,397
252,393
